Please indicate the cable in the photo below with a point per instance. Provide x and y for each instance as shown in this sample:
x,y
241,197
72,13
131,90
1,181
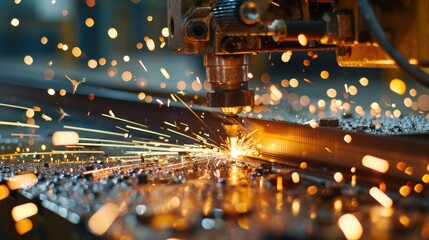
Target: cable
x,y
379,36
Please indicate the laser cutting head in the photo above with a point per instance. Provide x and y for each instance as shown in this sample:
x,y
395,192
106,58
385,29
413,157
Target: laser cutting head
x,y
228,32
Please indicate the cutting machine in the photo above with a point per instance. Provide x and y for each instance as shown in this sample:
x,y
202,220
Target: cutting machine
x,y
363,33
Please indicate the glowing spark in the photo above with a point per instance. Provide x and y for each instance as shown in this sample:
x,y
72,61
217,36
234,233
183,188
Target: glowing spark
x,y
124,120
302,39
159,101
165,73
182,134
22,181
158,143
101,221
398,86
62,152
338,177
181,92
147,131
75,83
193,112
103,140
198,80
279,183
275,4
46,118
347,138
14,106
18,124
350,226
24,211
4,192
22,135
173,97
295,177
94,130
63,114
233,147
171,124
143,66
123,129
23,226
381,197
63,138
375,163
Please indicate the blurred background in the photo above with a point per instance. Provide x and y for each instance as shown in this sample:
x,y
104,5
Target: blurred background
x,y
67,62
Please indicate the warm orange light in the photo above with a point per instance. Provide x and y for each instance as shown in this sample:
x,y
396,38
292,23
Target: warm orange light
x,y
65,138
398,86
295,177
286,56
418,188
112,33
347,138
101,221
28,60
381,197
127,76
24,211
350,226
338,177
375,163
405,191
24,226
302,39
279,183
89,22
22,181
76,52
4,192
324,74
312,190
233,146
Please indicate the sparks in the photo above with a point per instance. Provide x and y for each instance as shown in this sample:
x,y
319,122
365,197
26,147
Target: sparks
x,y
94,130
19,124
143,66
75,83
147,131
63,114
124,120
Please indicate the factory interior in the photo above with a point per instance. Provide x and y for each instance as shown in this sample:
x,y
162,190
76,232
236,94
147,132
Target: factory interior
x,y
214,119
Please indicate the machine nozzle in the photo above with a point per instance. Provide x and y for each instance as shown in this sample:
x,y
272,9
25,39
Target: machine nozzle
x,y
228,77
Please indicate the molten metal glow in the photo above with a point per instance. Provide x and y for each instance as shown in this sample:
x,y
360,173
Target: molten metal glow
x,y
350,226
233,147
24,211
101,221
381,197
375,163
